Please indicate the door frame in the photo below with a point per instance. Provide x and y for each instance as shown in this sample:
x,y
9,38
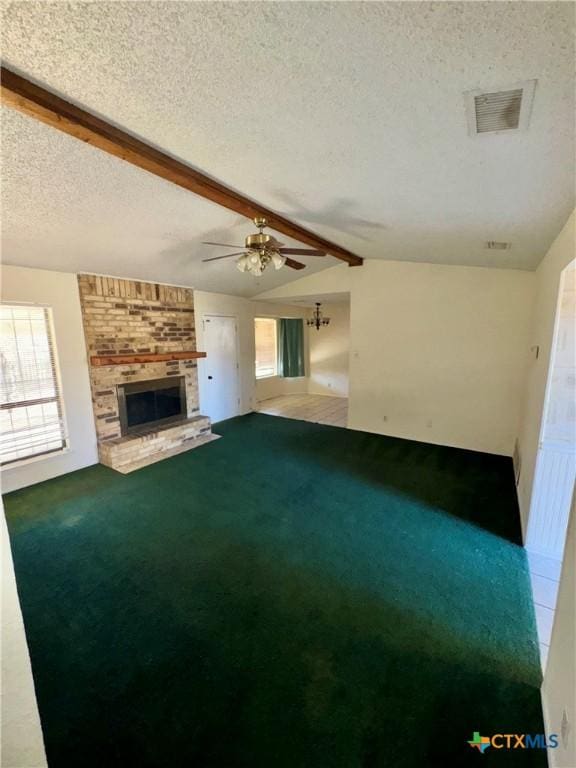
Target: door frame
x,y
546,406
230,316
553,351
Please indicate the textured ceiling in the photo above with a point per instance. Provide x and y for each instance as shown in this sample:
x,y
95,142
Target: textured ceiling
x,y
70,207
347,117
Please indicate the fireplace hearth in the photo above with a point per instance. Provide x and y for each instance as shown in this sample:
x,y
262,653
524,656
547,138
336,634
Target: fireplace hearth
x,y
144,405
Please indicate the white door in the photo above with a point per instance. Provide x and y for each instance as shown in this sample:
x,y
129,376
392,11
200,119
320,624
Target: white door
x,y
220,386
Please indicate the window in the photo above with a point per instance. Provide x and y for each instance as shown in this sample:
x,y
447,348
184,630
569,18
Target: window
x,y
266,347
31,421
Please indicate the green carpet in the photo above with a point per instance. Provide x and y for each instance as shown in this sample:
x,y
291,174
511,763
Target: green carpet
x,y
291,595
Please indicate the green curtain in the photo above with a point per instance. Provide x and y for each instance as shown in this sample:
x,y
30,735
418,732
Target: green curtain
x,y
291,348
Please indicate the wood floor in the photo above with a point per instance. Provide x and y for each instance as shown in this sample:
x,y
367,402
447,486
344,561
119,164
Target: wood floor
x,y
320,409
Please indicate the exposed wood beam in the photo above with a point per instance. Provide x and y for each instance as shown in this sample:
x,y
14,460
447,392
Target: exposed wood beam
x,y
43,105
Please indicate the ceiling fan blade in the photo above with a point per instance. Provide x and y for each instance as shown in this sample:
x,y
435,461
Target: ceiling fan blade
x,y
302,251
294,264
225,245
228,255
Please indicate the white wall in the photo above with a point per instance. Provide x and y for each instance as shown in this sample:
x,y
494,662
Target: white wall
x,y
245,310
437,353
58,290
329,352
559,689
274,386
440,352
21,743
547,280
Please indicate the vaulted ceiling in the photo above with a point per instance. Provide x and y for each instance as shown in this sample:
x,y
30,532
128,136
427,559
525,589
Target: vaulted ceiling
x,y
348,118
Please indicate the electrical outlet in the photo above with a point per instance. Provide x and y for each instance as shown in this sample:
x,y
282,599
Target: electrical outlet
x,y
429,423
384,418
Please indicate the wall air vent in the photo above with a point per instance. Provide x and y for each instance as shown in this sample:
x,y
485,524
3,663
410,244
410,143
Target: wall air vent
x,y
499,111
496,245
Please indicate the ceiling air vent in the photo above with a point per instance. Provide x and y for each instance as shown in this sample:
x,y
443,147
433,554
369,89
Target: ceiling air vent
x,y
495,245
496,111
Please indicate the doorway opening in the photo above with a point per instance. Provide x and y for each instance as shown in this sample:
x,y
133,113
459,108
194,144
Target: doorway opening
x,y
308,380
555,465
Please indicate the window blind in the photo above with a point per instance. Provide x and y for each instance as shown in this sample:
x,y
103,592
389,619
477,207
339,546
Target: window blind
x,y
31,420
266,347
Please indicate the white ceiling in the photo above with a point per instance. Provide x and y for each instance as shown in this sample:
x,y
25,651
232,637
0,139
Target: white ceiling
x,y
347,117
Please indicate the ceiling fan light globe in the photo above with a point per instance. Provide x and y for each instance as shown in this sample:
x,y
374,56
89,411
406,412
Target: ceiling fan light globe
x,y
242,263
256,270
254,258
278,260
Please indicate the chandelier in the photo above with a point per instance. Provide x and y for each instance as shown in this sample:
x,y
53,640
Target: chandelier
x,y
317,318
255,261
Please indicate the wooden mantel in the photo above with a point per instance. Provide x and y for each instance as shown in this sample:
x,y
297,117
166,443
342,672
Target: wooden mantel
x,y
100,360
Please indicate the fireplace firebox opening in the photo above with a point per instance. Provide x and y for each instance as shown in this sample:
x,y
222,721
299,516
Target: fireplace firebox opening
x,y
147,404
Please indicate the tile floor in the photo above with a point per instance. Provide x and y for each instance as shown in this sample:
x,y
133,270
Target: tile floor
x,y
545,577
320,409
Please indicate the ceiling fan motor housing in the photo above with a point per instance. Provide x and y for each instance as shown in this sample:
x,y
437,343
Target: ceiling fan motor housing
x,y
260,242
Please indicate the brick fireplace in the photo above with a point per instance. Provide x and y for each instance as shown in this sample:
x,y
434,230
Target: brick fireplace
x,y
141,344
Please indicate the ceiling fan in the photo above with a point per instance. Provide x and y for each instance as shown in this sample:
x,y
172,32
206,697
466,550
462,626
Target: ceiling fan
x,y
261,249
